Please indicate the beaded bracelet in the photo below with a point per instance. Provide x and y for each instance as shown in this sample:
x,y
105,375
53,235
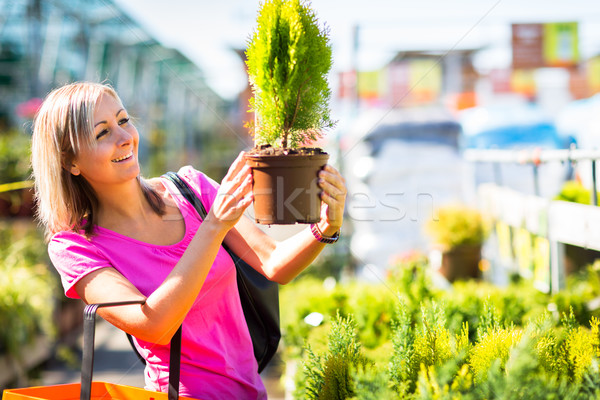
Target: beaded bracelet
x,y
314,228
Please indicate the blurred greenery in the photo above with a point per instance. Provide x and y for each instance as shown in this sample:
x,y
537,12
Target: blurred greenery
x,y
574,191
456,225
15,153
27,289
470,340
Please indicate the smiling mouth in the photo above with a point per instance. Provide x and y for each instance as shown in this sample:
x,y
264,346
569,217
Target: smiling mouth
x,y
125,157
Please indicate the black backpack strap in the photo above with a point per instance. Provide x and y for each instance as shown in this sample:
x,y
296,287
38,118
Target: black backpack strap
x,y
187,192
135,350
258,295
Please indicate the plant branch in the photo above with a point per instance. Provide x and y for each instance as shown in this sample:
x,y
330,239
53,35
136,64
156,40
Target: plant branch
x,y
298,96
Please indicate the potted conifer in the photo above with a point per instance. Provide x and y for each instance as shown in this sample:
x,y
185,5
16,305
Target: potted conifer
x,y
288,59
459,232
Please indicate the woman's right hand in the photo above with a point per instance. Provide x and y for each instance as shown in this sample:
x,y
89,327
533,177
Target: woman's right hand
x,y
234,195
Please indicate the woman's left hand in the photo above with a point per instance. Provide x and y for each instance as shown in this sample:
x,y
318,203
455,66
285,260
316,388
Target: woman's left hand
x,y
334,199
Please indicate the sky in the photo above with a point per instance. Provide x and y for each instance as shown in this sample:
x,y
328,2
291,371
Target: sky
x,y
207,31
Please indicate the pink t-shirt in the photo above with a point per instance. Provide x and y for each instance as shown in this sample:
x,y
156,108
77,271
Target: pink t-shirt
x,y
217,360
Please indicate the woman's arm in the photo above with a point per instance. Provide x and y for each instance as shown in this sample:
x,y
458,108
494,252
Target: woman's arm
x,y
283,261
157,320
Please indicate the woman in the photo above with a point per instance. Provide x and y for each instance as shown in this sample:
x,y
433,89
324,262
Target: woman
x,y
115,236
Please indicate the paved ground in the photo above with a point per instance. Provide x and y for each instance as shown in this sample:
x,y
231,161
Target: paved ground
x,y
115,362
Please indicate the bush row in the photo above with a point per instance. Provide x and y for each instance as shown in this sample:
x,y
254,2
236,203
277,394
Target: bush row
x,y
405,338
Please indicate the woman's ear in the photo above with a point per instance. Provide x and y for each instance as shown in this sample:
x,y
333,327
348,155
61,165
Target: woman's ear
x,y
68,164
74,170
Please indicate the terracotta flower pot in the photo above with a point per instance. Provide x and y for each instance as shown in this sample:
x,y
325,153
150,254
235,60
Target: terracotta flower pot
x,y
285,187
461,262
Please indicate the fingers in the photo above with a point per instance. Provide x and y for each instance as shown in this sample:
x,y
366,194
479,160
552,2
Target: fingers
x,y
237,165
332,183
239,189
238,171
235,192
333,195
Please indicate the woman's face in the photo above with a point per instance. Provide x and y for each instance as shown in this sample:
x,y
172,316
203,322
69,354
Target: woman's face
x,y
114,158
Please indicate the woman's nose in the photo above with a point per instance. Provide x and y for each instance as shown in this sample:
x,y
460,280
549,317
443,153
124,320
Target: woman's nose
x,y
124,137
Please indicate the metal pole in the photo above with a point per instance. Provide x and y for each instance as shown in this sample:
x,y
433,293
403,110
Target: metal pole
x,y
594,192
536,180
355,49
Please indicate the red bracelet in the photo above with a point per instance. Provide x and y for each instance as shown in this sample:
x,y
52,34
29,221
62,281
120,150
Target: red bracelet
x,y
314,228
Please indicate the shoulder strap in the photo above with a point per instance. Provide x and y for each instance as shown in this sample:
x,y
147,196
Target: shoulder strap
x,y
187,192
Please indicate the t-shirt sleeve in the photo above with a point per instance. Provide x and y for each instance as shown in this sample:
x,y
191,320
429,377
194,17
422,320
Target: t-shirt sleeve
x,y
74,257
204,186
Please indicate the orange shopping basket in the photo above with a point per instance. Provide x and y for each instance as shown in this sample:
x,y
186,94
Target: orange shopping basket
x,y
89,390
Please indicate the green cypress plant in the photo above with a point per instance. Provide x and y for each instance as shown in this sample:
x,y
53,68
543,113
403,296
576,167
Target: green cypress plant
x,y
288,59
330,376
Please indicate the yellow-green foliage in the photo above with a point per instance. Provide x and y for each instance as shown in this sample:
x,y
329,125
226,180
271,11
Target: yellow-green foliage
x,y
288,58
495,345
432,342
572,351
436,383
474,341
302,298
467,302
574,191
457,225
329,375
419,351
409,275
581,348
371,307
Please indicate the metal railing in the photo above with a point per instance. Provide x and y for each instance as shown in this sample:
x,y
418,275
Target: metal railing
x,y
536,157
567,223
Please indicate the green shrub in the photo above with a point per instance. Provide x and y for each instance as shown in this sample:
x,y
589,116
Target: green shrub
x,y
575,192
495,346
473,341
14,156
372,310
288,58
27,290
329,376
457,225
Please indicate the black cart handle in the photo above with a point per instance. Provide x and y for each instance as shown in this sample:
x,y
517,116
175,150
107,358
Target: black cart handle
x,y
87,363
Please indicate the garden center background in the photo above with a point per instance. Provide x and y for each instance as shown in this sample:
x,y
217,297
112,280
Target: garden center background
x,y
492,105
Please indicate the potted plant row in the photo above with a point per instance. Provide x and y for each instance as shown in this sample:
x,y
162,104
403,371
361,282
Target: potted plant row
x,y
288,59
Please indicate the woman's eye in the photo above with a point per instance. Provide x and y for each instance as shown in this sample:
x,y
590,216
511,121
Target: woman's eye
x,y
101,133
123,121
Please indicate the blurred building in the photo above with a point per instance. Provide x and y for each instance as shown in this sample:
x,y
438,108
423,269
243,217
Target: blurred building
x,y
47,43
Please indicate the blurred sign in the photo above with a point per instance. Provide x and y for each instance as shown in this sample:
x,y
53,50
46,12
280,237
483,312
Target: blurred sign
x,y
415,81
527,45
553,44
523,81
561,44
593,69
371,84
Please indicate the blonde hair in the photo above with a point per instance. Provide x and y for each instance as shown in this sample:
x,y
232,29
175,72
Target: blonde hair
x,y
62,127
